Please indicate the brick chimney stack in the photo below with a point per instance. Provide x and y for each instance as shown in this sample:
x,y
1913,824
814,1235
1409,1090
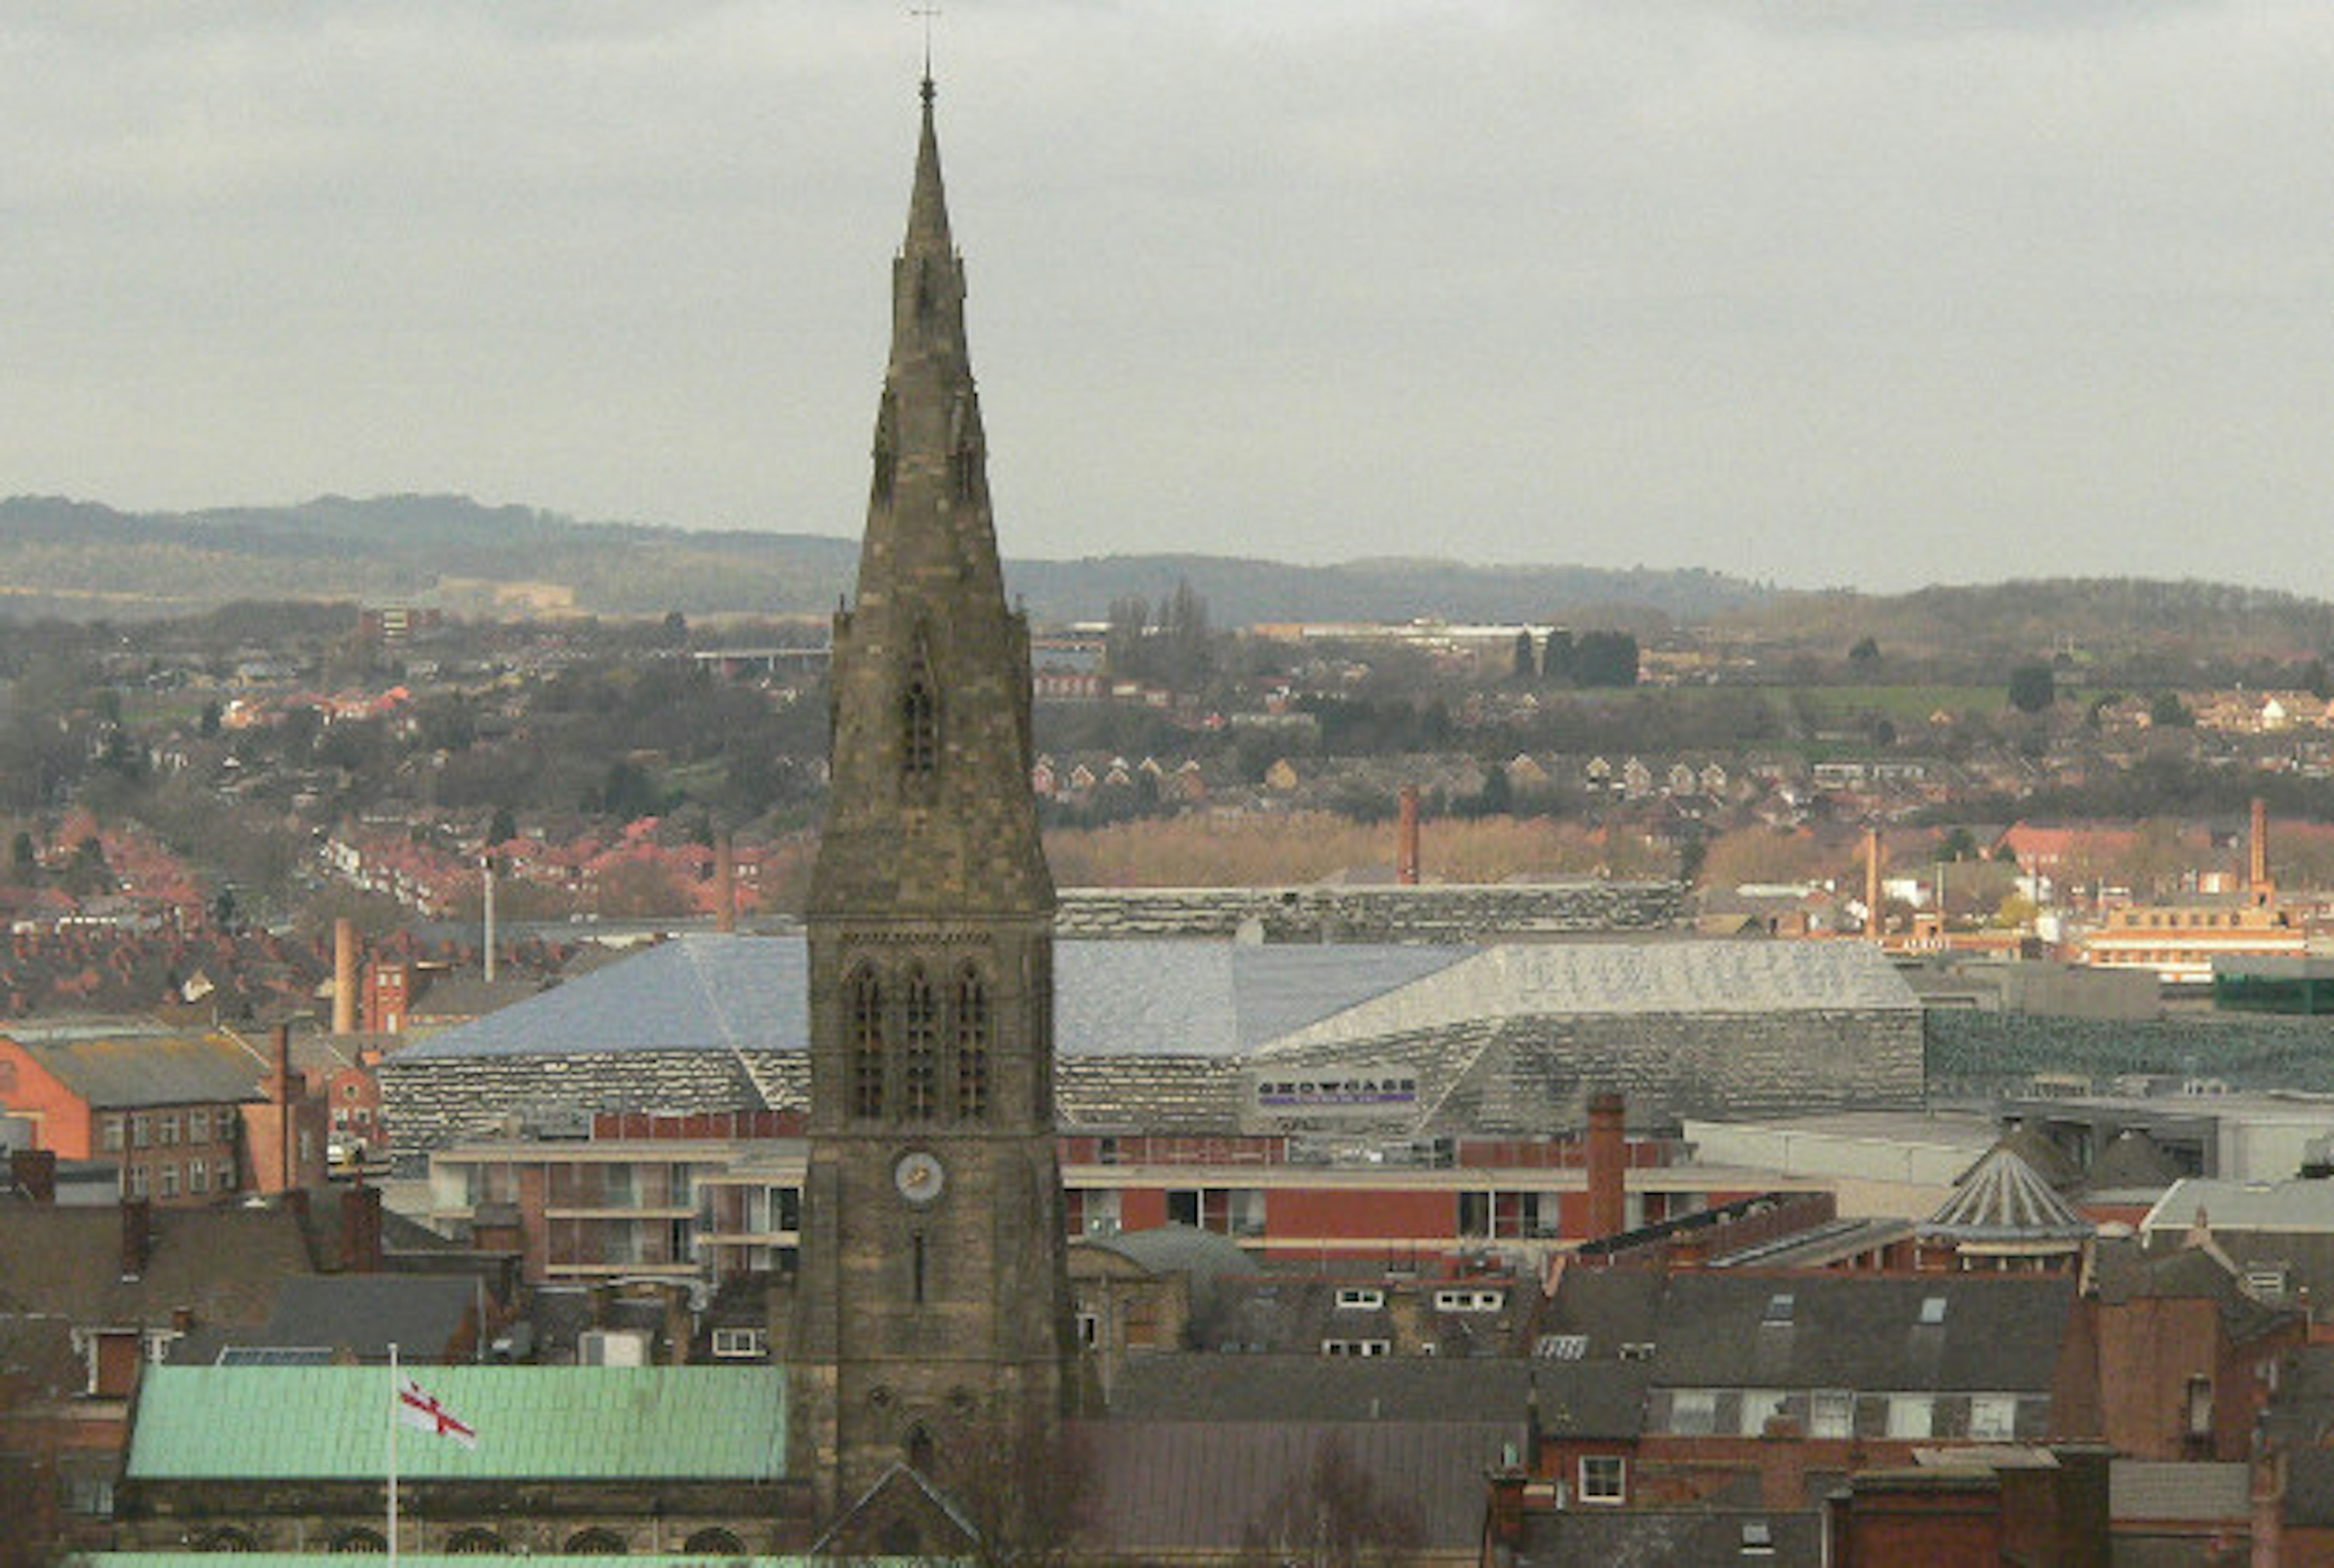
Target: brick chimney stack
x,y
1406,855
1608,1166
137,1237
725,885
281,1092
361,1228
2257,877
344,975
1872,922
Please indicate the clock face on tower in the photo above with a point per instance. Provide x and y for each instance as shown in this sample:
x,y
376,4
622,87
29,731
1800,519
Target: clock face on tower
x,y
919,1177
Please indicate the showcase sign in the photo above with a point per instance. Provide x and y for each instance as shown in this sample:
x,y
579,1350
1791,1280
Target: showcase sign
x,y
1335,1090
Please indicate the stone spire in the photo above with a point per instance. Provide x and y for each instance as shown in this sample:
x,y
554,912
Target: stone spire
x,y
931,1302
930,806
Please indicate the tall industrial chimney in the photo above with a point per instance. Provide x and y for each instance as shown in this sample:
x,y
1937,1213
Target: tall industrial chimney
x,y
344,975
1406,855
1872,923
2257,877
489,943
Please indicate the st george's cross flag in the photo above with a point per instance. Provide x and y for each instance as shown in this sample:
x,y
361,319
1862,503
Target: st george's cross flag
x,y
418,1407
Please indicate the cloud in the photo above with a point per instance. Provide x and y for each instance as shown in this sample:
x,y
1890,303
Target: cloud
x,y
1876,293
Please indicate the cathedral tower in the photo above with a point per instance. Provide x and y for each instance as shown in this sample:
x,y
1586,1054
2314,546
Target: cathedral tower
x,y
931,1311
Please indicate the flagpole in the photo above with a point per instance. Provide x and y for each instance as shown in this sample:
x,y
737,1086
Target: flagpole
x,y
393,1454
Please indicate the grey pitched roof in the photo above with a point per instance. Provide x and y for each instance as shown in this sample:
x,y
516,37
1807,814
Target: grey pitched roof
x,y
1165,1485
147,1069
1993,1332
1703,1536
2123,1272
367,1313
1630,977
2004,1199
1202,1255
2132,1161
1239,1389
2272,1206
225,1263
740,993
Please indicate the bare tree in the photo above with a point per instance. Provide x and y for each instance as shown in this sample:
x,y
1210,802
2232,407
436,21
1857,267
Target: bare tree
x,y
1022,1483
1334,1514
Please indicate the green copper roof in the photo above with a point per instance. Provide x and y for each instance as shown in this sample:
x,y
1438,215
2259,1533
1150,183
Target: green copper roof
x,y
333,1423
440,1560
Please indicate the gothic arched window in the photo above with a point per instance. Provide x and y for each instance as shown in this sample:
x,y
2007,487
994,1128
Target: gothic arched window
x,y
866,997
920,1049
920,725
971,1046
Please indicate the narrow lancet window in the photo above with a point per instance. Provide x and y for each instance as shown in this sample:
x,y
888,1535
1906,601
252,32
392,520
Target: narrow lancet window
x,y
866,1044
920,724
971,1047
919,1051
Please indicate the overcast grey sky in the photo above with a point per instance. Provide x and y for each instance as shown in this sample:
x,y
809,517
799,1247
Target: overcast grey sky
x,y
1815,290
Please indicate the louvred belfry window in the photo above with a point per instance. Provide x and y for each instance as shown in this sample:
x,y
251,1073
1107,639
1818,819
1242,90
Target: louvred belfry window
x,y
919,1051
971,1047
866,1044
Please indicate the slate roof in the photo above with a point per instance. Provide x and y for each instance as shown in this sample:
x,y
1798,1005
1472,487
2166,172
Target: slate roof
x,y
2122,1272
1165,1485
2132,1161
1703,1536
578,1423
1997,1333
147,1069
225,1263
366,1313
1576,1399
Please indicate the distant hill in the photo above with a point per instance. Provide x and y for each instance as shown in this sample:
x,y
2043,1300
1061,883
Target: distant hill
x,y
84,561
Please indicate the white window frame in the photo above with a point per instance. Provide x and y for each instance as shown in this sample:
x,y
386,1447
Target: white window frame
x,y
198,1175
1358,1298
1362,1348
1993,1417
1610,1488
168,1187
741,1343
1470,1300
1831,1413
198,1126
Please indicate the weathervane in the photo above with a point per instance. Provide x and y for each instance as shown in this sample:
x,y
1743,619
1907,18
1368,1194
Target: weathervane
x,y
927,13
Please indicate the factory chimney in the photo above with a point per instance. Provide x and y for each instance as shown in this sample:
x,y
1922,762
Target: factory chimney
x,y
1406,855
344,975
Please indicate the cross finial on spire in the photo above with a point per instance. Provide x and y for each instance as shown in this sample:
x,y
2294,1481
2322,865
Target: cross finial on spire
x,y
927,13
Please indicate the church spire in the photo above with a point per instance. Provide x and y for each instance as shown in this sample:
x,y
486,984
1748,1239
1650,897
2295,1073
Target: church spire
x,y
930,672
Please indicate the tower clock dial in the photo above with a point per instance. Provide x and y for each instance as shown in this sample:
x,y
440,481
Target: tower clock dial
x,y
919,1177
